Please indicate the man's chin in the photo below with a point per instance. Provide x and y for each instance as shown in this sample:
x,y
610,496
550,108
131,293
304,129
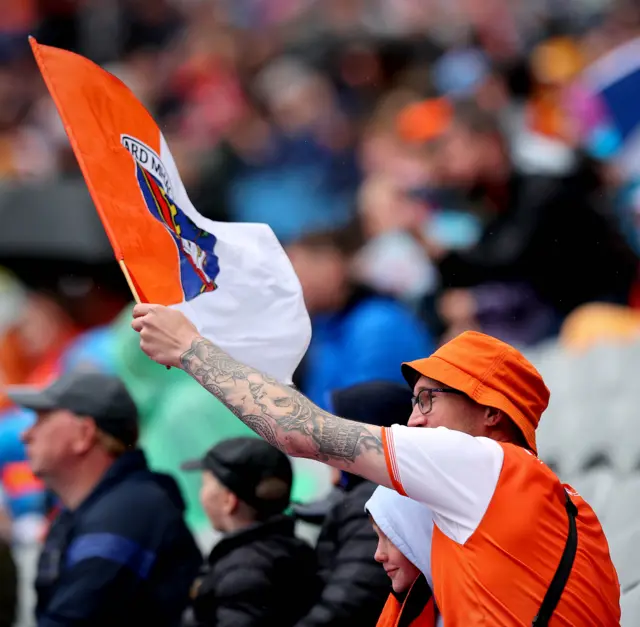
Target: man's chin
x,y
38,472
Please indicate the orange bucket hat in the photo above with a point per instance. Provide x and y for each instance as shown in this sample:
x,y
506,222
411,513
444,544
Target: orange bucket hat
x,y
424,121
491,373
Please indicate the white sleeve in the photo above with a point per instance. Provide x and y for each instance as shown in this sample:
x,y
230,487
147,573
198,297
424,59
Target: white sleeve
x,y
453,473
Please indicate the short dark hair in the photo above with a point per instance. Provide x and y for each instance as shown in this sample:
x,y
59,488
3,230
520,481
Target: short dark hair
x,y
346,240
469,114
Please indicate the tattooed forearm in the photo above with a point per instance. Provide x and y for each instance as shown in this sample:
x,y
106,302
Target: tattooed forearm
x,y
279,414
262,427
344,439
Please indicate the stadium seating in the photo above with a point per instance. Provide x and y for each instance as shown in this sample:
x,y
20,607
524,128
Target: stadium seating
x,y
630,604
590,437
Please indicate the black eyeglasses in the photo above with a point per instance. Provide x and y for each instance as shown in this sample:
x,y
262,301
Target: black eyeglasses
x,y
424,400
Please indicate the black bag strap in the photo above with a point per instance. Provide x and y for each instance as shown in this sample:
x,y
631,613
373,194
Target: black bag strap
x,y
417,599
561,577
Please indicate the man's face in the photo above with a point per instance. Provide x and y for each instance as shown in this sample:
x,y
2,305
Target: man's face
x,y
398,568
56,439
322,273
450,410
461,157
40,325
215,500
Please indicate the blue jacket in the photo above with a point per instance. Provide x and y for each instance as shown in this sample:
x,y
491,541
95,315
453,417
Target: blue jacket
x,y
123,558
367,341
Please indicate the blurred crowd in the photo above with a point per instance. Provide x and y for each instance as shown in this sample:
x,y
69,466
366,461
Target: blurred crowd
x,y
429,166
480,174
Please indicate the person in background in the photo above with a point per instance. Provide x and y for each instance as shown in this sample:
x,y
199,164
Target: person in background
x,y
42,333
345,316
119,552
8,586
6,523
547,247
353,586
396,519
25,494
8,571
259,573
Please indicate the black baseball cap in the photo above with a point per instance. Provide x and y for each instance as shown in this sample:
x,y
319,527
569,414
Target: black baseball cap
x,y
256,472
99,396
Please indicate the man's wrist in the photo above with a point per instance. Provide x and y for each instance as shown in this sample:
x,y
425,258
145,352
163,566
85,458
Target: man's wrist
x,y
188,347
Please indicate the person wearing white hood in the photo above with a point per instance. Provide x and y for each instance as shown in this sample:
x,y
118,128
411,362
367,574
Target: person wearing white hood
x,y
404,528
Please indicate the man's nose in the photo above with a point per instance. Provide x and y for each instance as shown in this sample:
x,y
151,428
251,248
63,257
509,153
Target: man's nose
x,y
417,419
25,436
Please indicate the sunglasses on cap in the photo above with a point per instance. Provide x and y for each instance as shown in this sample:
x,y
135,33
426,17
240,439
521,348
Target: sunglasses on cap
x,y
424,398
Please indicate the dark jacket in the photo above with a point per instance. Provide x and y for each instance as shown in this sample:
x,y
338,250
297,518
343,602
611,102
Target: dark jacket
x,y
355,586
124,557
415,607
553,235
8,586
261,576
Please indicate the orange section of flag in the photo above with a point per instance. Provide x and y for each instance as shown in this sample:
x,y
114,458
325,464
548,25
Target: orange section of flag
x,y
97,109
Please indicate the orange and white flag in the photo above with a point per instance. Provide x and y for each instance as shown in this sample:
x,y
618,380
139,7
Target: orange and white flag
x,y
233,281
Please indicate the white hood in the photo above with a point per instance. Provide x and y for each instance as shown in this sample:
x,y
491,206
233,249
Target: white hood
x,y
407,523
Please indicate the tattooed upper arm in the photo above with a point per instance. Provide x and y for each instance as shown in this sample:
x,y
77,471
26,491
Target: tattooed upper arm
x,y
284,417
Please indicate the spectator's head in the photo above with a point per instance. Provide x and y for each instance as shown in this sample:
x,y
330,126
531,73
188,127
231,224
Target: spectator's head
x,y
244,480
398,568
384,206
296,95
466,139
472,149
380,403
401,524
481,386
85,421
43,325
322,263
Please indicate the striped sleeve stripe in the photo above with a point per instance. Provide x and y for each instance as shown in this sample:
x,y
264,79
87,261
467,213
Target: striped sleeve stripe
x,y
113,548
391,460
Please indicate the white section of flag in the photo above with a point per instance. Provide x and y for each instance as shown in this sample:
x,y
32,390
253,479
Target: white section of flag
x,y
257,314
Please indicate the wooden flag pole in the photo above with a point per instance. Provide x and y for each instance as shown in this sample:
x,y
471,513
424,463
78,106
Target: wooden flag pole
x,y
127,276
131,285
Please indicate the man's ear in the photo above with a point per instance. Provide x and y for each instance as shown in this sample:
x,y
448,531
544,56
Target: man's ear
x,y
231,502
493,417
87,434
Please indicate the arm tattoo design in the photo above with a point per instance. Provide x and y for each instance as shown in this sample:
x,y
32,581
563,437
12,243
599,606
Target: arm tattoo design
x,y
262,427
277,413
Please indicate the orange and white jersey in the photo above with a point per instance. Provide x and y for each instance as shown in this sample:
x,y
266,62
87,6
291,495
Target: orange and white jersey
x,y
499,530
